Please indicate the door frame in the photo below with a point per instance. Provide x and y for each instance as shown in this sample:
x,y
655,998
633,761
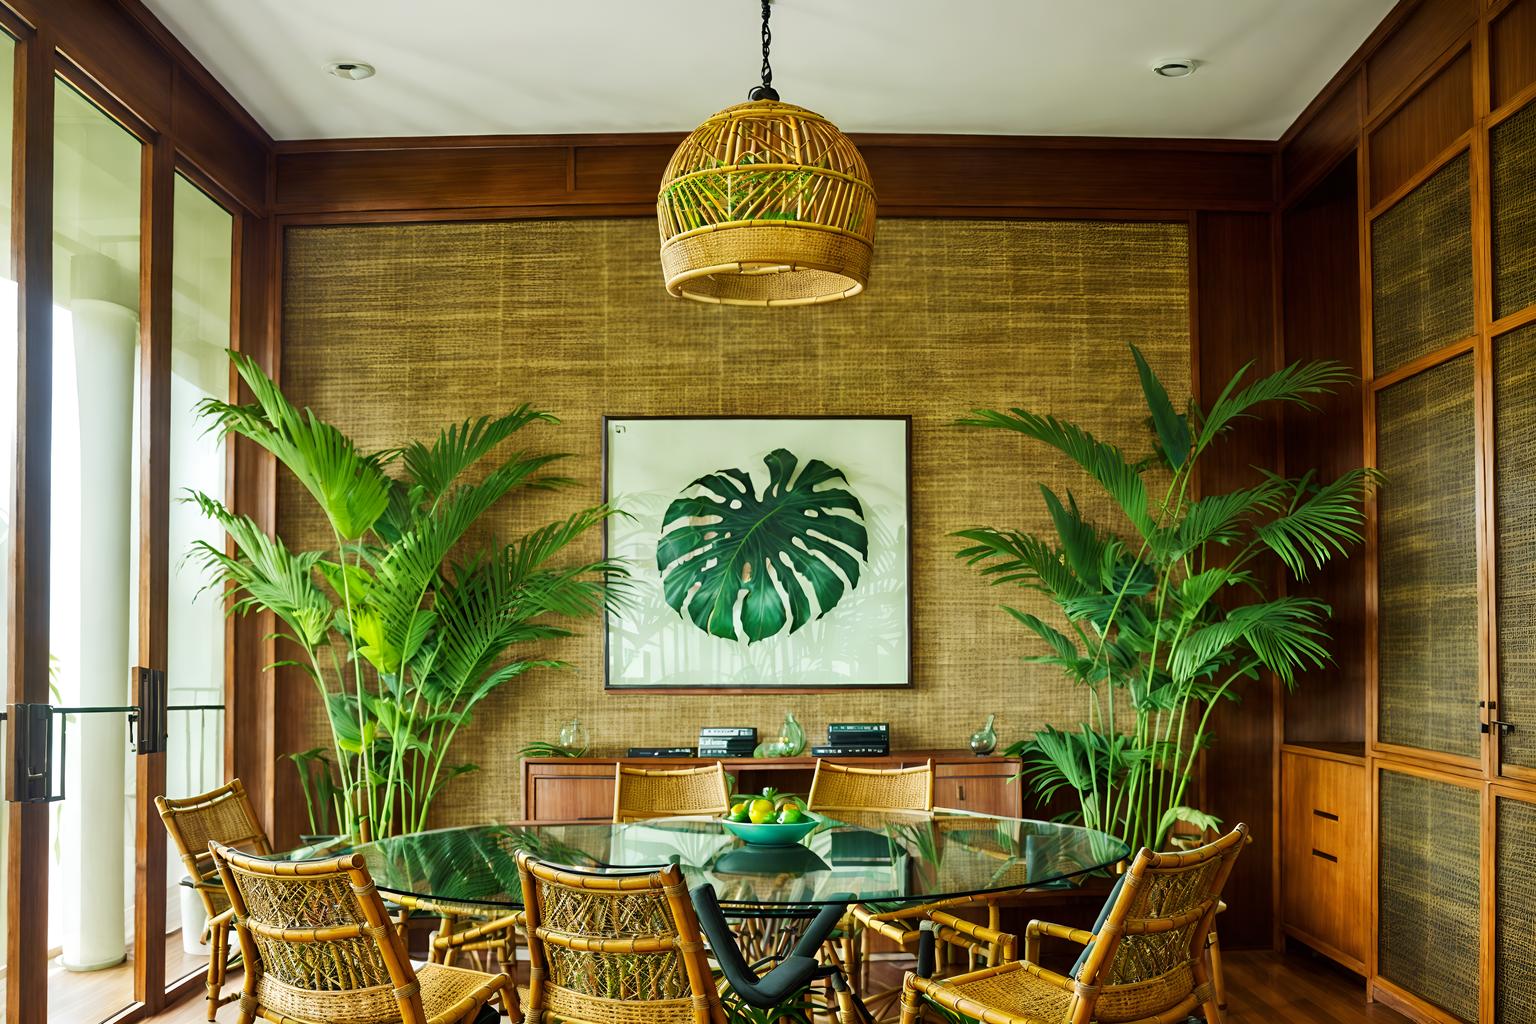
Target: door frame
x,y
39,63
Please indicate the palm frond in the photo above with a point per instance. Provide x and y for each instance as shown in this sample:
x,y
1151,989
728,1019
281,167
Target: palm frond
x,y
350,486
1172,428
1319,521
1103,461
1296,384
436,467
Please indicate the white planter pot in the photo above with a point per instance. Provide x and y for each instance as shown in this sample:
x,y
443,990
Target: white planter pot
x,y
193,919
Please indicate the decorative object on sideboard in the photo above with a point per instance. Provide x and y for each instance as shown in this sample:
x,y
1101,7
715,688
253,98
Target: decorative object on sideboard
x,y
1145,628
984,740
424,624
770,553
790,742
574,736
766,204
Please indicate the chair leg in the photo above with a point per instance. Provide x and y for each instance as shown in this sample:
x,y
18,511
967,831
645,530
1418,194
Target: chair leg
x,y
218,958
911,1003
1218,978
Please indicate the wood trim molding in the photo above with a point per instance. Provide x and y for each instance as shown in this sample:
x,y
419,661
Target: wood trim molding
x,y
932,175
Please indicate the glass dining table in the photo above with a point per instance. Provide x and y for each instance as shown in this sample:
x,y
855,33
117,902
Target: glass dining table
x,y
883,857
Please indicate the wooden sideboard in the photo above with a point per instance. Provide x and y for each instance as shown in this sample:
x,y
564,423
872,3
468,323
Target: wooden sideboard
x,y
581,788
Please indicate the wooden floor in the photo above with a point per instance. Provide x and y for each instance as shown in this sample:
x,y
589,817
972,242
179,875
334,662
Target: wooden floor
x,y
1262,988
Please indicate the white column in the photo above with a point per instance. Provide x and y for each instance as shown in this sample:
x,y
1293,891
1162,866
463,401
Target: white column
x,y
92,605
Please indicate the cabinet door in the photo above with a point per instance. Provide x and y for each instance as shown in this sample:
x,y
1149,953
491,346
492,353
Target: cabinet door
x,y
577,792
1514,958
988,788
1429,889
1323,855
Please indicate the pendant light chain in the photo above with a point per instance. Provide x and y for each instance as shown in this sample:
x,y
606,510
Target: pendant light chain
x,y
767,42
765,91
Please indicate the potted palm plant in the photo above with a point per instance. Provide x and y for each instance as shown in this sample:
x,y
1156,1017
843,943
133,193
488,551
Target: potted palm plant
x,y
1173,608
402,630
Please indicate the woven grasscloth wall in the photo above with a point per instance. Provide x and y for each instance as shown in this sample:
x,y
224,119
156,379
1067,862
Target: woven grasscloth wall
x,y
394,330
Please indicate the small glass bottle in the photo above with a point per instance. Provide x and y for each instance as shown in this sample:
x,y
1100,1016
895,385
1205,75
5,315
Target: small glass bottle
x,y
573,737
984,740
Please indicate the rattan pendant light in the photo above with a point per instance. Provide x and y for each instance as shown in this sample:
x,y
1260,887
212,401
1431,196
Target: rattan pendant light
x,y
766,204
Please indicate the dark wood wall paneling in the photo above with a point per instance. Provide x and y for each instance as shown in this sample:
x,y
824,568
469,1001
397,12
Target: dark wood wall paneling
x,y
1431,82
1320,304
1430,122
915,175
1235,313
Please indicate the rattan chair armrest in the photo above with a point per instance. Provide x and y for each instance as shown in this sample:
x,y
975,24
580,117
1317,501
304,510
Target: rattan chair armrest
x,y
220,920
1050,977
1006,942
1039,929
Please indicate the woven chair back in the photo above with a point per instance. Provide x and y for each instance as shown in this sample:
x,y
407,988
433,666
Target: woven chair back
x,y
320,940
640,793
842,787
222,815
615,949
1144,960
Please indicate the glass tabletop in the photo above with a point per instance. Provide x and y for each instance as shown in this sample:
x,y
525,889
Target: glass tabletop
x,y
876,857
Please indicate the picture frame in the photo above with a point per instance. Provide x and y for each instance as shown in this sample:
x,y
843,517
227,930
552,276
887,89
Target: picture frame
x,y
771,554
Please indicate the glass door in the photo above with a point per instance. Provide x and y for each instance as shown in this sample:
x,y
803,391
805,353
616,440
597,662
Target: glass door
x,y
9,415
202,275
94,559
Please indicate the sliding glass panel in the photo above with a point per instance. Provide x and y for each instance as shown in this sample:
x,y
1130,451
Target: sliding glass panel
x,y
201,266
1427,650
94,555
8,415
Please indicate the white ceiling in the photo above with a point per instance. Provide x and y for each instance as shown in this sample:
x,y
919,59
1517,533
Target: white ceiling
x,y
1021,67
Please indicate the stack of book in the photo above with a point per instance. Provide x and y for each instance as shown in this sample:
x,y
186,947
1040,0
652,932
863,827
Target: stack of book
x,y
661,751
855,739
727,741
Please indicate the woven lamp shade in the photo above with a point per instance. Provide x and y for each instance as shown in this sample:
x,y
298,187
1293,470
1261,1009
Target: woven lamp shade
x,y
766,204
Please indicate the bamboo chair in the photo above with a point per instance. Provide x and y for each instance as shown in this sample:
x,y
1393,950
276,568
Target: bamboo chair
x,y
320,948
843,787
1144,963
854,792
628,949
641,793
222,815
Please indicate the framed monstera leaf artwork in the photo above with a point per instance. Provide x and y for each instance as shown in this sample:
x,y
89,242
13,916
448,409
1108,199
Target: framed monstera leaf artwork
x,y
769,553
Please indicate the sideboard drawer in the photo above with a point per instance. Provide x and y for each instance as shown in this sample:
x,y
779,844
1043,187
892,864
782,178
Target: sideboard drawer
x,y
987,787
1324,854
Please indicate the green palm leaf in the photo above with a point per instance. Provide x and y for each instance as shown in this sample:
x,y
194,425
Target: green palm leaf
x,y
1172,429
1319,521
349,486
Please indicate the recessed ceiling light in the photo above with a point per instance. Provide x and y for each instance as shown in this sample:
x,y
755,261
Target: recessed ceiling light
x,y
352,70
1178,67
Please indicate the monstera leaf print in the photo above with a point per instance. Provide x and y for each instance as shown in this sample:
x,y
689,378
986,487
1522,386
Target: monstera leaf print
x,y
723,543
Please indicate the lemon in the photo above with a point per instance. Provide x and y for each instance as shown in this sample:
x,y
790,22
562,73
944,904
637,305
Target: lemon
x,y
762,812
791,815
739,807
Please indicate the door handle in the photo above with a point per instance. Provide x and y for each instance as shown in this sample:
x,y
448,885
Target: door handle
x,y
1505,728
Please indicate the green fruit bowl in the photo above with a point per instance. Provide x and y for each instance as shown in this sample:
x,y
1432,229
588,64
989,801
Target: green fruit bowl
x,y
771,833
